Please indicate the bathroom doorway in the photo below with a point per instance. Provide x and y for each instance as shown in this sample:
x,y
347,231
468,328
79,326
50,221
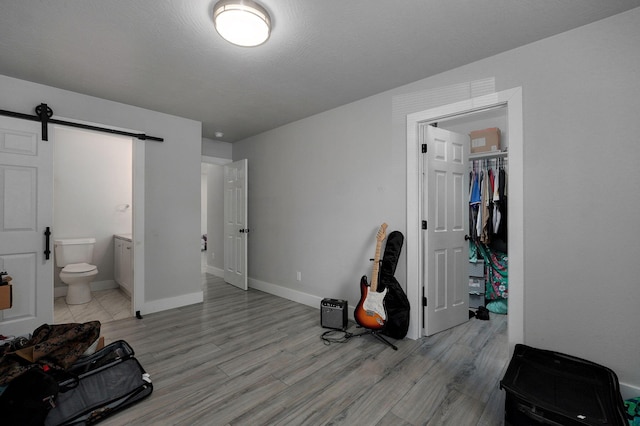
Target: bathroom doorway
x,y
93,197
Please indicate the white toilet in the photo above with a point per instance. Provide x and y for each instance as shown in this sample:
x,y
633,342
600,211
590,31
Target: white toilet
x,y
74,256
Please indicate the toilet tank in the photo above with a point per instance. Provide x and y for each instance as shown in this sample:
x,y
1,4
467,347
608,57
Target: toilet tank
x,y
74,250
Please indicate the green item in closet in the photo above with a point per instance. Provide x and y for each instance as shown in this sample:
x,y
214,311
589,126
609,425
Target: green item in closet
x,y
633,410
473,252
497,284
498,306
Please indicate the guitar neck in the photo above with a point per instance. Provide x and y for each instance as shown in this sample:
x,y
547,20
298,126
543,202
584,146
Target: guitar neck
x,y
376,268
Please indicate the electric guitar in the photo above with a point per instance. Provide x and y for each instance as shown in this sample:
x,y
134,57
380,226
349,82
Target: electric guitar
x,y
370,312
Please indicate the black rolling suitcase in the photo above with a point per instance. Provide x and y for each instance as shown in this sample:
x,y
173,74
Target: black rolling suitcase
x,y
550,388
99,385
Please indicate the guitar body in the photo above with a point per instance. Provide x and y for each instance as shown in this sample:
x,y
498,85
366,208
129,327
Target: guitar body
x,y
370,312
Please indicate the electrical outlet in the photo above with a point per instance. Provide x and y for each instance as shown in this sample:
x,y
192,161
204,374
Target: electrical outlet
x,y
299,276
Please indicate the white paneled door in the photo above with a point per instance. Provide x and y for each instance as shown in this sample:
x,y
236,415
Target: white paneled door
x,y
446,207
26,210
235,223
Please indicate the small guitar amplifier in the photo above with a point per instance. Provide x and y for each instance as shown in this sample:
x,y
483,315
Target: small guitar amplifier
x,y
333,314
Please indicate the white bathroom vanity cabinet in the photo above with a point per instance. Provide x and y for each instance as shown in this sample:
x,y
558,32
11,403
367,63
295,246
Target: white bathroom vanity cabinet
x,y
123,262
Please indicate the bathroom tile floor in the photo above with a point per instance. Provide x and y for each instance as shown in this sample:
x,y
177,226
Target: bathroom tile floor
x,y
106,305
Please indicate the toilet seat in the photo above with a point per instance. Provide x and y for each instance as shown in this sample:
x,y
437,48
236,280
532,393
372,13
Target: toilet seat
x,y
77,268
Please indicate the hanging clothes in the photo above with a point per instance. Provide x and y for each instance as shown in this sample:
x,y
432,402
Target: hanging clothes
x,y
485,234
497,216
488,202
501,229
478,223
475,198
475,195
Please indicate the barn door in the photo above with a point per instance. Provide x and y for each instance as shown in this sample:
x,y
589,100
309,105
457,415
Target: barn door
x,y
26,212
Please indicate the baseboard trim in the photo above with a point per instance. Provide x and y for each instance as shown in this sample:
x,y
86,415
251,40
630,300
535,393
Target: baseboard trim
x,y
287,293
218,272
104,285
61,290
290,294
172,302
629,391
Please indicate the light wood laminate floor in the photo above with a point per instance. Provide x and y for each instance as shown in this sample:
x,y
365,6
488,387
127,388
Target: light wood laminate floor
x,y
250,358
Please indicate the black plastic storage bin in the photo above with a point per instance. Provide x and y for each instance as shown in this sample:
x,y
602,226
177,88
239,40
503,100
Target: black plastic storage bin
x,y
550,388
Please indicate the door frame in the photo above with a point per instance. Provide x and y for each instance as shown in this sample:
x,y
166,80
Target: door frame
x,y
512,100
137,229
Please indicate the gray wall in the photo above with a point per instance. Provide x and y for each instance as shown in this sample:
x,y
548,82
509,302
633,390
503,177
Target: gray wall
x,y
213,148
320,187
172,184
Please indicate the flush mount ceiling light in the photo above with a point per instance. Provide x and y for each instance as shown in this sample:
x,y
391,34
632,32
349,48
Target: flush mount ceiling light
x,y
242,22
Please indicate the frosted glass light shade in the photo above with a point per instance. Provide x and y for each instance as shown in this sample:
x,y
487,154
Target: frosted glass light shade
x,y
242,22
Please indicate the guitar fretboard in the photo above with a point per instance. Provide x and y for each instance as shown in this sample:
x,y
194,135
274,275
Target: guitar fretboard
x,y
376,259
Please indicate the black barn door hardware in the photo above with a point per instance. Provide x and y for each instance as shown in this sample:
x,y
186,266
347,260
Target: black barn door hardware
x,y
47,243
44,114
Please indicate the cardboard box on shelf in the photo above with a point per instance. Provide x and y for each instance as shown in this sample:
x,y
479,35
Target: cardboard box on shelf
x,y
6,296
485,140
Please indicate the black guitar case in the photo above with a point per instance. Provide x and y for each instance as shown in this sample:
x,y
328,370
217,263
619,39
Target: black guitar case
x,y
396,302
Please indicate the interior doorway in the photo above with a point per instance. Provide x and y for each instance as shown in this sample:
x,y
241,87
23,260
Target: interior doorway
x,y
100,194
212,215
511,100
465,260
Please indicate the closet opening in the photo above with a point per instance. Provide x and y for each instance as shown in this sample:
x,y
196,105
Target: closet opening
x,y
509,103
488,173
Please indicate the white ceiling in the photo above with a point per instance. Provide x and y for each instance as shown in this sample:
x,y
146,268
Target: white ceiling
x,y
166,55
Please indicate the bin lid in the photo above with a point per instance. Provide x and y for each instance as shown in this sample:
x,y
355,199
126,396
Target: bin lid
x,y
564,384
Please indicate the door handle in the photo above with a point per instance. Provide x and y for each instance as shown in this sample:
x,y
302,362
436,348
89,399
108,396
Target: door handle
x,y
244,231
47,243
467,238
